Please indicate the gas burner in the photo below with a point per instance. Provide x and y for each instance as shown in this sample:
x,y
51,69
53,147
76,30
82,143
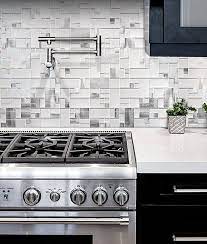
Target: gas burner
x,y
38,148
102,148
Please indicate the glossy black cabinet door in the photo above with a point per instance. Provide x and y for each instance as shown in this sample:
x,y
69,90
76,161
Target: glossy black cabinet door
x,y
172,208
172,189
166,35
173,30
165,225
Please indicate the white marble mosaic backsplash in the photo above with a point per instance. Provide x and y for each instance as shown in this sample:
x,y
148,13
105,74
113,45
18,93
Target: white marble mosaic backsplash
x,y
122,88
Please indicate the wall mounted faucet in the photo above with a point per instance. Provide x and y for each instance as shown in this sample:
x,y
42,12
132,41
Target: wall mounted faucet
x,y
50,62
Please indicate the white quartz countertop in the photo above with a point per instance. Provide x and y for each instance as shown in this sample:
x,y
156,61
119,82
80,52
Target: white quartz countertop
x,y
157,151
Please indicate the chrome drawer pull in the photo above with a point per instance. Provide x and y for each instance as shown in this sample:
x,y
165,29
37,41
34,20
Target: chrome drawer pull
x,y
182,190
190,239
48,220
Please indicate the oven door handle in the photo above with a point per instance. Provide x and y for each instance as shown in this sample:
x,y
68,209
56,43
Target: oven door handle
x,y
189,238
65,220
188,190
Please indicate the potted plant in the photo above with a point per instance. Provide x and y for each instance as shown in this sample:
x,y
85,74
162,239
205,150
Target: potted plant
x,y
204,107
177,117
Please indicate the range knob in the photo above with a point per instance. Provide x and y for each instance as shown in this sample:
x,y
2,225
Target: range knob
x,y
54,196
31,196
100,195
121,195
78,196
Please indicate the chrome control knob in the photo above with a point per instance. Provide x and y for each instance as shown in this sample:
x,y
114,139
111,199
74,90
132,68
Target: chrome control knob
x,y
100,195
78,196
31,196
54,196
121,196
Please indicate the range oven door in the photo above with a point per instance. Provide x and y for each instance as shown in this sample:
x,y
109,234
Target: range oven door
x,y
88,227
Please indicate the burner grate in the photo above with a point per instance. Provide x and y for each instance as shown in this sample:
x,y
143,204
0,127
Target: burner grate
x,y
5,140
38,148
101,148
80,148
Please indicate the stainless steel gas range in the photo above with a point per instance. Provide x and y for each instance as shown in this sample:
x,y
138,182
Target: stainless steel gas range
x,y
68,186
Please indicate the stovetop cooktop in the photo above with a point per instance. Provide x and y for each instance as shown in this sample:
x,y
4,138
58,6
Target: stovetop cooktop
x,y
98,148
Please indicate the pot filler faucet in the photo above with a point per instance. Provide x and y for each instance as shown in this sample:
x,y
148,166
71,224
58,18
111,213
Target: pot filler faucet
x,y
50,62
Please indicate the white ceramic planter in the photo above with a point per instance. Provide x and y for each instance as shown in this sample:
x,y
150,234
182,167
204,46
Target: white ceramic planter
x,y
176,124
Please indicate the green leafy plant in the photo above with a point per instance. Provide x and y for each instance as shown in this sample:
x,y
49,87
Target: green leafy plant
x,y
180,109
205,107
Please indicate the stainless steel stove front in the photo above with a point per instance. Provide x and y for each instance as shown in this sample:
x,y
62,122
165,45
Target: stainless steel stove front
x,y
59,202
49,211
89,227
66,194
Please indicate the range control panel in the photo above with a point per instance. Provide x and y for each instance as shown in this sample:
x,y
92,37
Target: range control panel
x,y
67,194
6,193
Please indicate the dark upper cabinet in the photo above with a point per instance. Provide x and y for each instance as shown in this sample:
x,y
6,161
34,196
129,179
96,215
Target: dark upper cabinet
x,y
176,27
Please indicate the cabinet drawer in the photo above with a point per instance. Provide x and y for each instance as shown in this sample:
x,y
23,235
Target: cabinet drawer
x,y
172,189
167,225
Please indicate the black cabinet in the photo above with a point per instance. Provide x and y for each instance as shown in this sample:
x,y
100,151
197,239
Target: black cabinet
x,y
172,189
167,34
165,225
172,208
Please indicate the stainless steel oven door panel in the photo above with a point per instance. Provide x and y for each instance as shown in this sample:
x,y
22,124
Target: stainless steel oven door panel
x,y
105,227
